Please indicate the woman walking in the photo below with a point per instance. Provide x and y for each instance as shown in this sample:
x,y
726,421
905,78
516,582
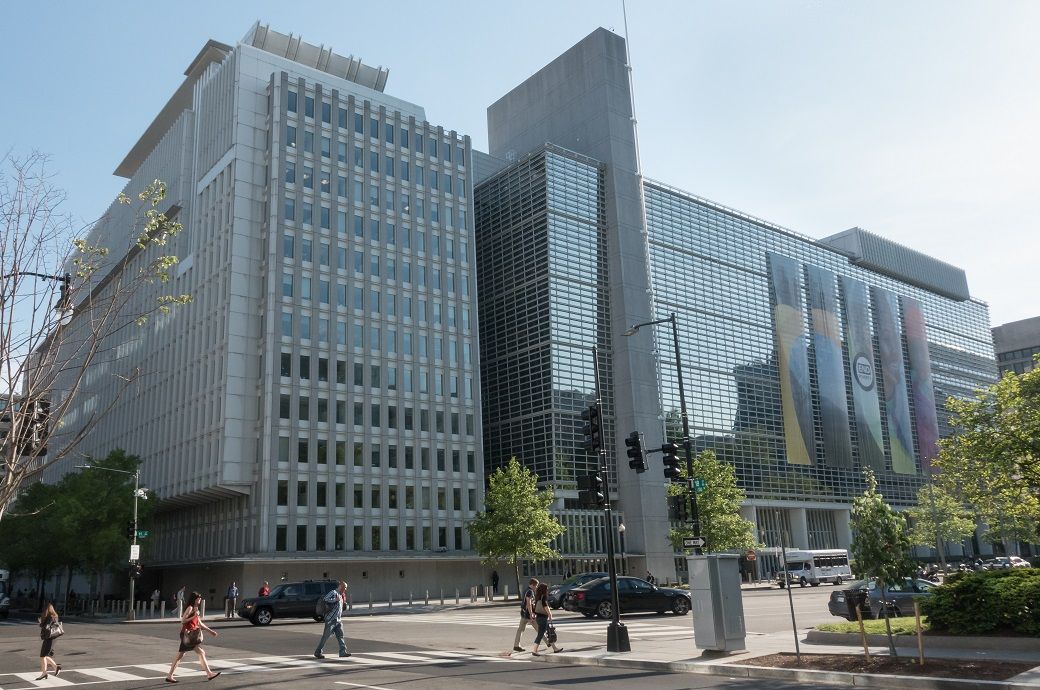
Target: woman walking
x,y
543,613
50,630
191,638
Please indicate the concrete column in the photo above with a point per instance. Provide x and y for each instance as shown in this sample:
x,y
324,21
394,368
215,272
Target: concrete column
x,y
799,528
843,525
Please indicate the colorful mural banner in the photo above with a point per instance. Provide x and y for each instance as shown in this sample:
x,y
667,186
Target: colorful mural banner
x,y
925,417
830,370
893,374
792,359
860,344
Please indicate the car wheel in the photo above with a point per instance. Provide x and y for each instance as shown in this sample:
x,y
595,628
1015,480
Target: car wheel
x,y
588,614
838,581
263,616
605,610
782,585
680,606
814,584
802,582
318,619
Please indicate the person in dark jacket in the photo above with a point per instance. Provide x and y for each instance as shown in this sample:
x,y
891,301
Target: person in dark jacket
x,y
543,616
48,619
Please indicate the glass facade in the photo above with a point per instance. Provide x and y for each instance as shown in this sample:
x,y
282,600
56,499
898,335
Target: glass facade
x,y
741,286
543,306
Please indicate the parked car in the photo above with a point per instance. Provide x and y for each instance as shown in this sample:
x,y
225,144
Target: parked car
x,y
557,592
868,596
1005,562
287,600
593,598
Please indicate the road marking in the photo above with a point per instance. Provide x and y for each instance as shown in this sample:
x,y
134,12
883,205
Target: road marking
x,y
49,682
165,668
398,656
108,674
361,685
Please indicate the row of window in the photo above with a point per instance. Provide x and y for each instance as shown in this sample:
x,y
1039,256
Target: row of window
x,y
393,168
406,420
378,303
375,542
1018,354
378,376
377,457
390,136
325,495
418,212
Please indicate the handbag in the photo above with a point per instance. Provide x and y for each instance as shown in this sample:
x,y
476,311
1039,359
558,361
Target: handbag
x,y
550,634
191,638
52,630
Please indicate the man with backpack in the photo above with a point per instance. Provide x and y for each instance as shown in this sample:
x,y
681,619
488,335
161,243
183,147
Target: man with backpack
x,y
334,602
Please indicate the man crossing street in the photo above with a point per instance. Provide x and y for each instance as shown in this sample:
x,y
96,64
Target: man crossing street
x,y
334,602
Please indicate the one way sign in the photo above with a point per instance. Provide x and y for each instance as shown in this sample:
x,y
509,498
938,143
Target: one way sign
x,y
693,542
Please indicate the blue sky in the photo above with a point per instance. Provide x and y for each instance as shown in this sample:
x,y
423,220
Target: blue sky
x,y
917,121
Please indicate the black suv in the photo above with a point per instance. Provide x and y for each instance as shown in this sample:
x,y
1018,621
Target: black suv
x,y
287,600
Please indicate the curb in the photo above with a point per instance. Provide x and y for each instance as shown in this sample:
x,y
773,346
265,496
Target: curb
x,y
862,680
1020,644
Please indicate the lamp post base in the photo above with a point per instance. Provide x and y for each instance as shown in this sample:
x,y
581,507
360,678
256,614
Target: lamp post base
x,y
617,638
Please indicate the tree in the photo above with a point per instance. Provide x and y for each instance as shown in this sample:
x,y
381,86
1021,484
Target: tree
x,y
880,544
68,298
939,517
516,523
718,506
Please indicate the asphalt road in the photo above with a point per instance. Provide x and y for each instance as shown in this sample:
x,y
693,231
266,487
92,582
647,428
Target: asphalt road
x,y
453,649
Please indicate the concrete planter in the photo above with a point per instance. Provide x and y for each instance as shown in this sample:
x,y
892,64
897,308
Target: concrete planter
x,y
1024,644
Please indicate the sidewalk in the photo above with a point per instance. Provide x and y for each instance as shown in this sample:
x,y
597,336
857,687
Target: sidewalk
x,y
680,656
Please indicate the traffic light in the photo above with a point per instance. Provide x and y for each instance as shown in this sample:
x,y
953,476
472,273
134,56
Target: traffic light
x,y
678,509
136,570
671,460
131,530
636,459
590,491
593,428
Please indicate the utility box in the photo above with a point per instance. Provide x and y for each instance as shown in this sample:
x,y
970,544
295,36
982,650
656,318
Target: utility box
x,y
718,606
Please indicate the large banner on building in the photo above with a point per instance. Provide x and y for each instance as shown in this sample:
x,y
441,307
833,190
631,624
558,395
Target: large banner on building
x,y
893,373
830,371
925,416
860,345
792,359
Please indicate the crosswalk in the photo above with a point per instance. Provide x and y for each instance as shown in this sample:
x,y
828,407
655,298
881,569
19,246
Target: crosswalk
x,y
151,672
565,625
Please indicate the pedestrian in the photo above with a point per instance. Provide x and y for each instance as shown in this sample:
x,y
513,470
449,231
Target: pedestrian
x,y
543,615
50,630
265,589
334,602
180,599
650,578
191,638
494,581
231,601
526,612
156,598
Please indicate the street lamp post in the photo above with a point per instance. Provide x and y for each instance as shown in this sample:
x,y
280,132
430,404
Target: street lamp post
x,y
687,444
65,295
131,613
621,532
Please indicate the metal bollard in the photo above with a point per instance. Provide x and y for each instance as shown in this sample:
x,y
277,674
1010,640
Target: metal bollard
x,y
505,595
151,609
370,600
162,609
203,612
409,597
390,601
456,596
427,601
442,596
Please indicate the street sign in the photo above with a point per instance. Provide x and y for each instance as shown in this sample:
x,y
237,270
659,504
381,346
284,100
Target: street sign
x,y
699,485
135,552
750,555
142,533
693,542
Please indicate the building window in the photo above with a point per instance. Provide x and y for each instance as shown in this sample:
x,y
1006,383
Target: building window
x,y
291,102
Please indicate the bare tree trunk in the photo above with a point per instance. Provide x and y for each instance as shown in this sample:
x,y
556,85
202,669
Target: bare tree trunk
x,y
516,565
888,622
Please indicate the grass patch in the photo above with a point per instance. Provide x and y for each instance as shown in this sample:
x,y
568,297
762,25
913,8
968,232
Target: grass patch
x,y
900,626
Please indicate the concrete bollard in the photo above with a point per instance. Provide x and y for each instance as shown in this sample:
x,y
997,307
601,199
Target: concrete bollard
x,y
427,600
370,600
203,611
162,609
442,596
456,596
505,595
409,597
472,595
390,600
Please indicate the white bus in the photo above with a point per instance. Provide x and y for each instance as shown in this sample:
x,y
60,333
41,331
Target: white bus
x,y
814,566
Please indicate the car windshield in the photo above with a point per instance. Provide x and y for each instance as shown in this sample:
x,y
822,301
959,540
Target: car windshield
x,y
277,590
581,578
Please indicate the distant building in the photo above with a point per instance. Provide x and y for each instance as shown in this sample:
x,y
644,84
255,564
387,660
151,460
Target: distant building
x,y
1016,344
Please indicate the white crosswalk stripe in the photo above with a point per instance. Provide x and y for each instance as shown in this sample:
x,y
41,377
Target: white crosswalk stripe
x,y
583,626
148,672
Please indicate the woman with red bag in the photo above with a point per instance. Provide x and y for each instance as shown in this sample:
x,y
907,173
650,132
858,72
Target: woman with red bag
x,y
191,638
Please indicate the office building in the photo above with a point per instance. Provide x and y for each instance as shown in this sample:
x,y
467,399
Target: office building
x,y
1016,344
315,412
805,361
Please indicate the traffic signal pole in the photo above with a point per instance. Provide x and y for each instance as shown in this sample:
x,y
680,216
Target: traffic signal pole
x,y
687,443
617,633
132,614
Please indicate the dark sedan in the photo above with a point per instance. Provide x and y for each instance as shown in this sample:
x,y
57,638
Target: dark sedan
x,y
557,592
593,598
900,598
